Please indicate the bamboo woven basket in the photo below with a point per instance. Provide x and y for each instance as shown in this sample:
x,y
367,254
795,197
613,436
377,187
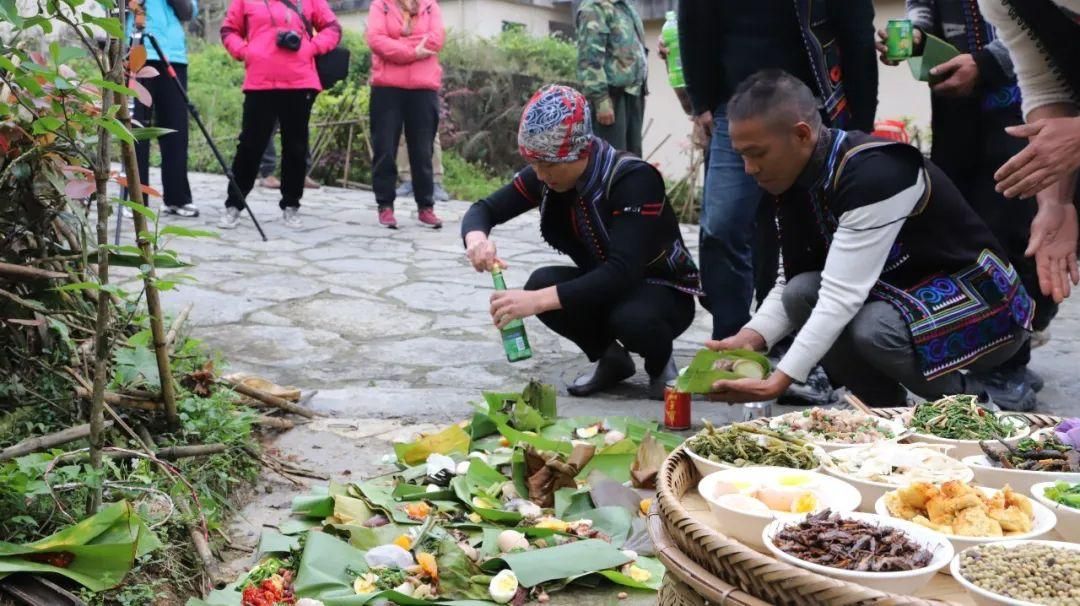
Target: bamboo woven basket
x,y
707,568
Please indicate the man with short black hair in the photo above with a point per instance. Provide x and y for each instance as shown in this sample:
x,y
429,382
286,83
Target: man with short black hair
x,y
889,278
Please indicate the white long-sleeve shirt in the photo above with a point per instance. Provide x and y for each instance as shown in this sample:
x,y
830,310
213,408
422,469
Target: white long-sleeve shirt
x,y
1038,84
858,252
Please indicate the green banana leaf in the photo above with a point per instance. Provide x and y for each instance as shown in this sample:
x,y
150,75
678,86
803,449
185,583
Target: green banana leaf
x,y
104,547
613,461
379,494
527,418
560,562
226,596
450,440
350,510
700,375
318,505
570,501
615,522
276,542
465,489
656,578
295,526
412,492
542,397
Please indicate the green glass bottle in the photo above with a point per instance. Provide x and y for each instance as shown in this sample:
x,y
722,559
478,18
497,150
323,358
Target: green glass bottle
x,y
514,339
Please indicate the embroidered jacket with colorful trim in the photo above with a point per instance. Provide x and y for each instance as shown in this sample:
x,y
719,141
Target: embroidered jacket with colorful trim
x,y
616,223
883,223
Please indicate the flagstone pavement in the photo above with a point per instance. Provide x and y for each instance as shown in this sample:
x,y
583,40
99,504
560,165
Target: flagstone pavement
x,y
391,328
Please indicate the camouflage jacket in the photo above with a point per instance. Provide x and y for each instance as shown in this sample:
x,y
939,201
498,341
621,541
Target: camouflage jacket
x,y
611,50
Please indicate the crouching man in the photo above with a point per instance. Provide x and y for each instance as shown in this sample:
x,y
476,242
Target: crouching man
x,y
889,279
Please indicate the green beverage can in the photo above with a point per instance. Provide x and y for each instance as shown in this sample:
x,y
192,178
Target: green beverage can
x,y
515,341
899,39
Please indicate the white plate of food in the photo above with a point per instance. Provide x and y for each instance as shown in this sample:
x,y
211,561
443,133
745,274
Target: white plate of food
x,y
1063,498
834,429
875,469
965,516
1019,572
746,445
922,553
959,422
744,501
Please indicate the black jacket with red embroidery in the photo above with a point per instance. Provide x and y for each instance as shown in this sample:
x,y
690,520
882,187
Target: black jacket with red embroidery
x,y
616,223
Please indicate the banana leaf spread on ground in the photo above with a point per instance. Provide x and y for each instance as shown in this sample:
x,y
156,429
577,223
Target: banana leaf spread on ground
x,y
505,508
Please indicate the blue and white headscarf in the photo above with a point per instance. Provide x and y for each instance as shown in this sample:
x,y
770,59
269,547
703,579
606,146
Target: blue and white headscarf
x,y
556,125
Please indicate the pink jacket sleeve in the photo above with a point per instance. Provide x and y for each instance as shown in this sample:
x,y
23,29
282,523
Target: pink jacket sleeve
x,y
437,34
326,24
380,41
234,30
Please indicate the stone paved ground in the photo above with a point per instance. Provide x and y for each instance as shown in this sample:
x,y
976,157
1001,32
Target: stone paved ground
x,y
391,328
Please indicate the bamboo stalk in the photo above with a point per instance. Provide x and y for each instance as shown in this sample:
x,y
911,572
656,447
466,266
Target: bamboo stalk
x,y
270,399
65,436
119,400
153,299
273,422
177,324
202,545
30,273
177,452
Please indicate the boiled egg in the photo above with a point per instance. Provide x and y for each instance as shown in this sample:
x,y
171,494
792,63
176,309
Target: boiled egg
x,y
793,500
795,480
743,503
736,487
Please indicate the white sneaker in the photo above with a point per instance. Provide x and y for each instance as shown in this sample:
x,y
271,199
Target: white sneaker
x,y
292,217
230,219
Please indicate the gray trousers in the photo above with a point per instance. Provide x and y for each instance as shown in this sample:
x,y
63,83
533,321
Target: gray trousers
x,y
874,356
625,133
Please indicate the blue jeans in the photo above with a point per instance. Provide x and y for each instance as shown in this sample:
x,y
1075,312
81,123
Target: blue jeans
x,y
728,221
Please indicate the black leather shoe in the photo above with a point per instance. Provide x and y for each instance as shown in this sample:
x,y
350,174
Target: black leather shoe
x,y
612,369
659,383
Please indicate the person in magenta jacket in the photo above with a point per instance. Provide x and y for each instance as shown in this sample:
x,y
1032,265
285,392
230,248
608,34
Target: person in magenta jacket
x,y
405,37
280,84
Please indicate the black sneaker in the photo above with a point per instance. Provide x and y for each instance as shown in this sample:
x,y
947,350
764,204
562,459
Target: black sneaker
x,y
1008,389
816,391
187,210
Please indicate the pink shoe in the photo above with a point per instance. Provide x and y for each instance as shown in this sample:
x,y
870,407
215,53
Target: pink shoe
x,y
386,217
427,217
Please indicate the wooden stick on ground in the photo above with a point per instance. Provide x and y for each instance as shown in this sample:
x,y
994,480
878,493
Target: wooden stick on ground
x,y
202,546
120,400
273,422
29,273
177,324
177,452
28,446
270,399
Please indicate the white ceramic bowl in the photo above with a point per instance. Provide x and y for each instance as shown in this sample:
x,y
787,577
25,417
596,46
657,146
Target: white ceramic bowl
x,y
705,466
871,490
1068,524
1044,522
905,582
897,428
983,597
746,526
987,474
967,448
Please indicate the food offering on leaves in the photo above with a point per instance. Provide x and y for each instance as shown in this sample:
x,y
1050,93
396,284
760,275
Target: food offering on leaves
x,y
59,559
1033,572
958,509
709,366
744,445
268,584
831,539
837,428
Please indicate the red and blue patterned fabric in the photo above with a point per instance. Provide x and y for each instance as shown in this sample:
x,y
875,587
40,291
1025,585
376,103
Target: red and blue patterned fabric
x,y
555,126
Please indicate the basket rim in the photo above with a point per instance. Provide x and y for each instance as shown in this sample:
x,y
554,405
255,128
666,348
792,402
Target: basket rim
x,y
669,517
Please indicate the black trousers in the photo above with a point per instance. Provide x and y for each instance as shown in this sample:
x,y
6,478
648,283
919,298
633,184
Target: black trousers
x,y
291,109
969,146
646,321
168,111
417,112
625,133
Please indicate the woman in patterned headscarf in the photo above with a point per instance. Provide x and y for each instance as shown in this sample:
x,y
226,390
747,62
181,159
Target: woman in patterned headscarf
x,y
633,282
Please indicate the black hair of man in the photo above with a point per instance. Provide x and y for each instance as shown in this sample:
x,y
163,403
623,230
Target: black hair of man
x,y
777,97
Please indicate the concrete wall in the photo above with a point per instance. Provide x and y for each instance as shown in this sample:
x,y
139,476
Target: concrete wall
x,y
483,17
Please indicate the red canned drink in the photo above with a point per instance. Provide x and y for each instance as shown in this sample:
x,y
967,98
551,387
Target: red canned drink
x,y
676,408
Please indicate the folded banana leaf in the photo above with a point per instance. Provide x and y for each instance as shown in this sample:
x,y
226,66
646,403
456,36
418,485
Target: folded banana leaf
x,y
710,366
570,560
96,552
450,440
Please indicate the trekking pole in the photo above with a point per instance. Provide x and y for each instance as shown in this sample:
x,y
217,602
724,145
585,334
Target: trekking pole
x,y
194,111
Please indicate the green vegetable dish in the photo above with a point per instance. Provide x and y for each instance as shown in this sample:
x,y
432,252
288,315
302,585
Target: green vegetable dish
x,y
961,418
744,445
1064,493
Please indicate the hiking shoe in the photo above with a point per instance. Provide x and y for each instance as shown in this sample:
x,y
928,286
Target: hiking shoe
x,y
405,189
270,182
427,217
187,210
230,219
440,194
292,217
1008,389
386,217
816,391
310,183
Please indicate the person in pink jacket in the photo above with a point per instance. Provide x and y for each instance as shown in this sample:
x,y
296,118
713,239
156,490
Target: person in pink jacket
x,y
280,84
405,37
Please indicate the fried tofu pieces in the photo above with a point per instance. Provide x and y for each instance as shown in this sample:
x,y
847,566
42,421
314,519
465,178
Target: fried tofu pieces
x,y
959,509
